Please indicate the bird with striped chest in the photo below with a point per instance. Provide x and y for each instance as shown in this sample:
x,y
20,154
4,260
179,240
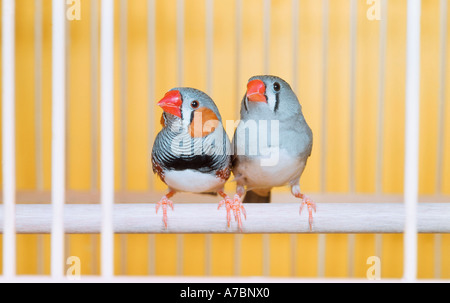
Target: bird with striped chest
x,y
280,151
192,151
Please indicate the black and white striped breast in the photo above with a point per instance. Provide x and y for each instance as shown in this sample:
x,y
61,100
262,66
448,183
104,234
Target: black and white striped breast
x,y
179,151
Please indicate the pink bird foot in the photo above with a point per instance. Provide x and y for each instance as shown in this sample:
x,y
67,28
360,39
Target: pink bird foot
x,y
311,206
238,209
228,205
164,202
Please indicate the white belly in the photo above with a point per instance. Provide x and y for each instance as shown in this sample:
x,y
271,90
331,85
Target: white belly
x,y
282,172
192,181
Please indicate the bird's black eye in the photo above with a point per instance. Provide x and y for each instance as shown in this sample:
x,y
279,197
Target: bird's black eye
x,y
276,86
194,104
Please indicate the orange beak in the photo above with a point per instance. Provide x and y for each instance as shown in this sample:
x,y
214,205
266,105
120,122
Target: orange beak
x,y
171,103
256,90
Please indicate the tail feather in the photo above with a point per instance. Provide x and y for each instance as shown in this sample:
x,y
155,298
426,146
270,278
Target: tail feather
x,y
252,197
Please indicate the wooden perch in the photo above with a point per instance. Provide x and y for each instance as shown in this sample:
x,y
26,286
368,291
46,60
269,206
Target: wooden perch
x,y
261,218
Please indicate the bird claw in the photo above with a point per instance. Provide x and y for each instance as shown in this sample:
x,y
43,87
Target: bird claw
x,y
310,205
163,203
238,208
228,205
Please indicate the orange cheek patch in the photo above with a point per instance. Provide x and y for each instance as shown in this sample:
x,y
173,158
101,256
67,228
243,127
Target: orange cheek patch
x,y
205,122
162,121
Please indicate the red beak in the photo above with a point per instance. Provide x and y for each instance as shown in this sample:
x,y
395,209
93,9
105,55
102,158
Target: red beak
x,y
171,103
255,91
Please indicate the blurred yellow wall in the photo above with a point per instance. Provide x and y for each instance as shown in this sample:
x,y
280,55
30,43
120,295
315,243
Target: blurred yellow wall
x,y
133,137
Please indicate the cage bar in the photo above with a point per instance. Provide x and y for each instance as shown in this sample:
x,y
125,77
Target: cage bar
x,y
107,136
58,135
8,137
411,178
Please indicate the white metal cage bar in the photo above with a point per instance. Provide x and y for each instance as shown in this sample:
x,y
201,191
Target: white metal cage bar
x,y
107,136
8,137
411,181
58,136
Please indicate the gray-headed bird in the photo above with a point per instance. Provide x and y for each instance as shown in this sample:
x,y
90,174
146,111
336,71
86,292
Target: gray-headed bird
x,y
271,143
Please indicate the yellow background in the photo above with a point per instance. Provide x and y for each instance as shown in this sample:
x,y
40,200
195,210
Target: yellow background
x,y
133,136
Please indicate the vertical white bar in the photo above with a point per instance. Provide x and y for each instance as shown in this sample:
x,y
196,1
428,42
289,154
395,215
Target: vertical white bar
x,y
412,138
8,138
58,135
107,136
